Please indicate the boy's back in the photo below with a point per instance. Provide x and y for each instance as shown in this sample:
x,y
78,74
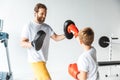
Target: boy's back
x,y
87,63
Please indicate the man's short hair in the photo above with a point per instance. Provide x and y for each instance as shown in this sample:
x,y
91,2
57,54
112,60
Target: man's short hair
x,y
39,5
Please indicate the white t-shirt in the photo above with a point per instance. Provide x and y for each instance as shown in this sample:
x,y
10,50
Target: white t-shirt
x,y
88,62
29,32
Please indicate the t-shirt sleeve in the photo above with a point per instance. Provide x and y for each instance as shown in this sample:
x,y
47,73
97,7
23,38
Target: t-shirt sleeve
x,y
82,64
51,31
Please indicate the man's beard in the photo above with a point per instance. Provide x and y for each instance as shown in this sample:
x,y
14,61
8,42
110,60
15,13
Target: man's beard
x,y
41,20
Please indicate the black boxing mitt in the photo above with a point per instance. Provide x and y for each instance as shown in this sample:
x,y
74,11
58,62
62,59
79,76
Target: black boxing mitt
x,y
38,40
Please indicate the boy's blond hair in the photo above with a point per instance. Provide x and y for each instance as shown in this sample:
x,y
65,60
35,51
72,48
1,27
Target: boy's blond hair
x,y
86,35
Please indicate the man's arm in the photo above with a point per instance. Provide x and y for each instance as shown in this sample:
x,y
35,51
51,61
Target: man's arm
x,y
25,43
57,37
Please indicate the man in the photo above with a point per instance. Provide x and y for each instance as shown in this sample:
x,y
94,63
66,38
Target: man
x,y
38,58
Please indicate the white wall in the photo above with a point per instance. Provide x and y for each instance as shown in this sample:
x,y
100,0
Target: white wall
x,y
102,15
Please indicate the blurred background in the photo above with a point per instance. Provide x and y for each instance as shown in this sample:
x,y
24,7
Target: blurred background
x,y
102,15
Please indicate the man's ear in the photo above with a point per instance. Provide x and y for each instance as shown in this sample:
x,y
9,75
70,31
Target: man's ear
x,y
34,13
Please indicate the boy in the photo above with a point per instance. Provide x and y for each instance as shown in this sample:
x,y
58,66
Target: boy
x,y
86,67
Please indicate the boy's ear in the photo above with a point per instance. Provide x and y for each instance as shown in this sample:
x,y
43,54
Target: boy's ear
x,y
77,38
81,41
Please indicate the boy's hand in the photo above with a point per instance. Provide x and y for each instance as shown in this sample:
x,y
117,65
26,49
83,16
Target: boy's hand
x,y
73,70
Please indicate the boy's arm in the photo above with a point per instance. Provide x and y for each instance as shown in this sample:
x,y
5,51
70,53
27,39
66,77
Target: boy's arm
x,y
82,75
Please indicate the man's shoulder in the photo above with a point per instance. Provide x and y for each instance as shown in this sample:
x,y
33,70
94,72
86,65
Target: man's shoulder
x,y
45,24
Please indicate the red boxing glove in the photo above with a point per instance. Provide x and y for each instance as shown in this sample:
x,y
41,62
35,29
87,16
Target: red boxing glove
x,y
72,28
73,70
